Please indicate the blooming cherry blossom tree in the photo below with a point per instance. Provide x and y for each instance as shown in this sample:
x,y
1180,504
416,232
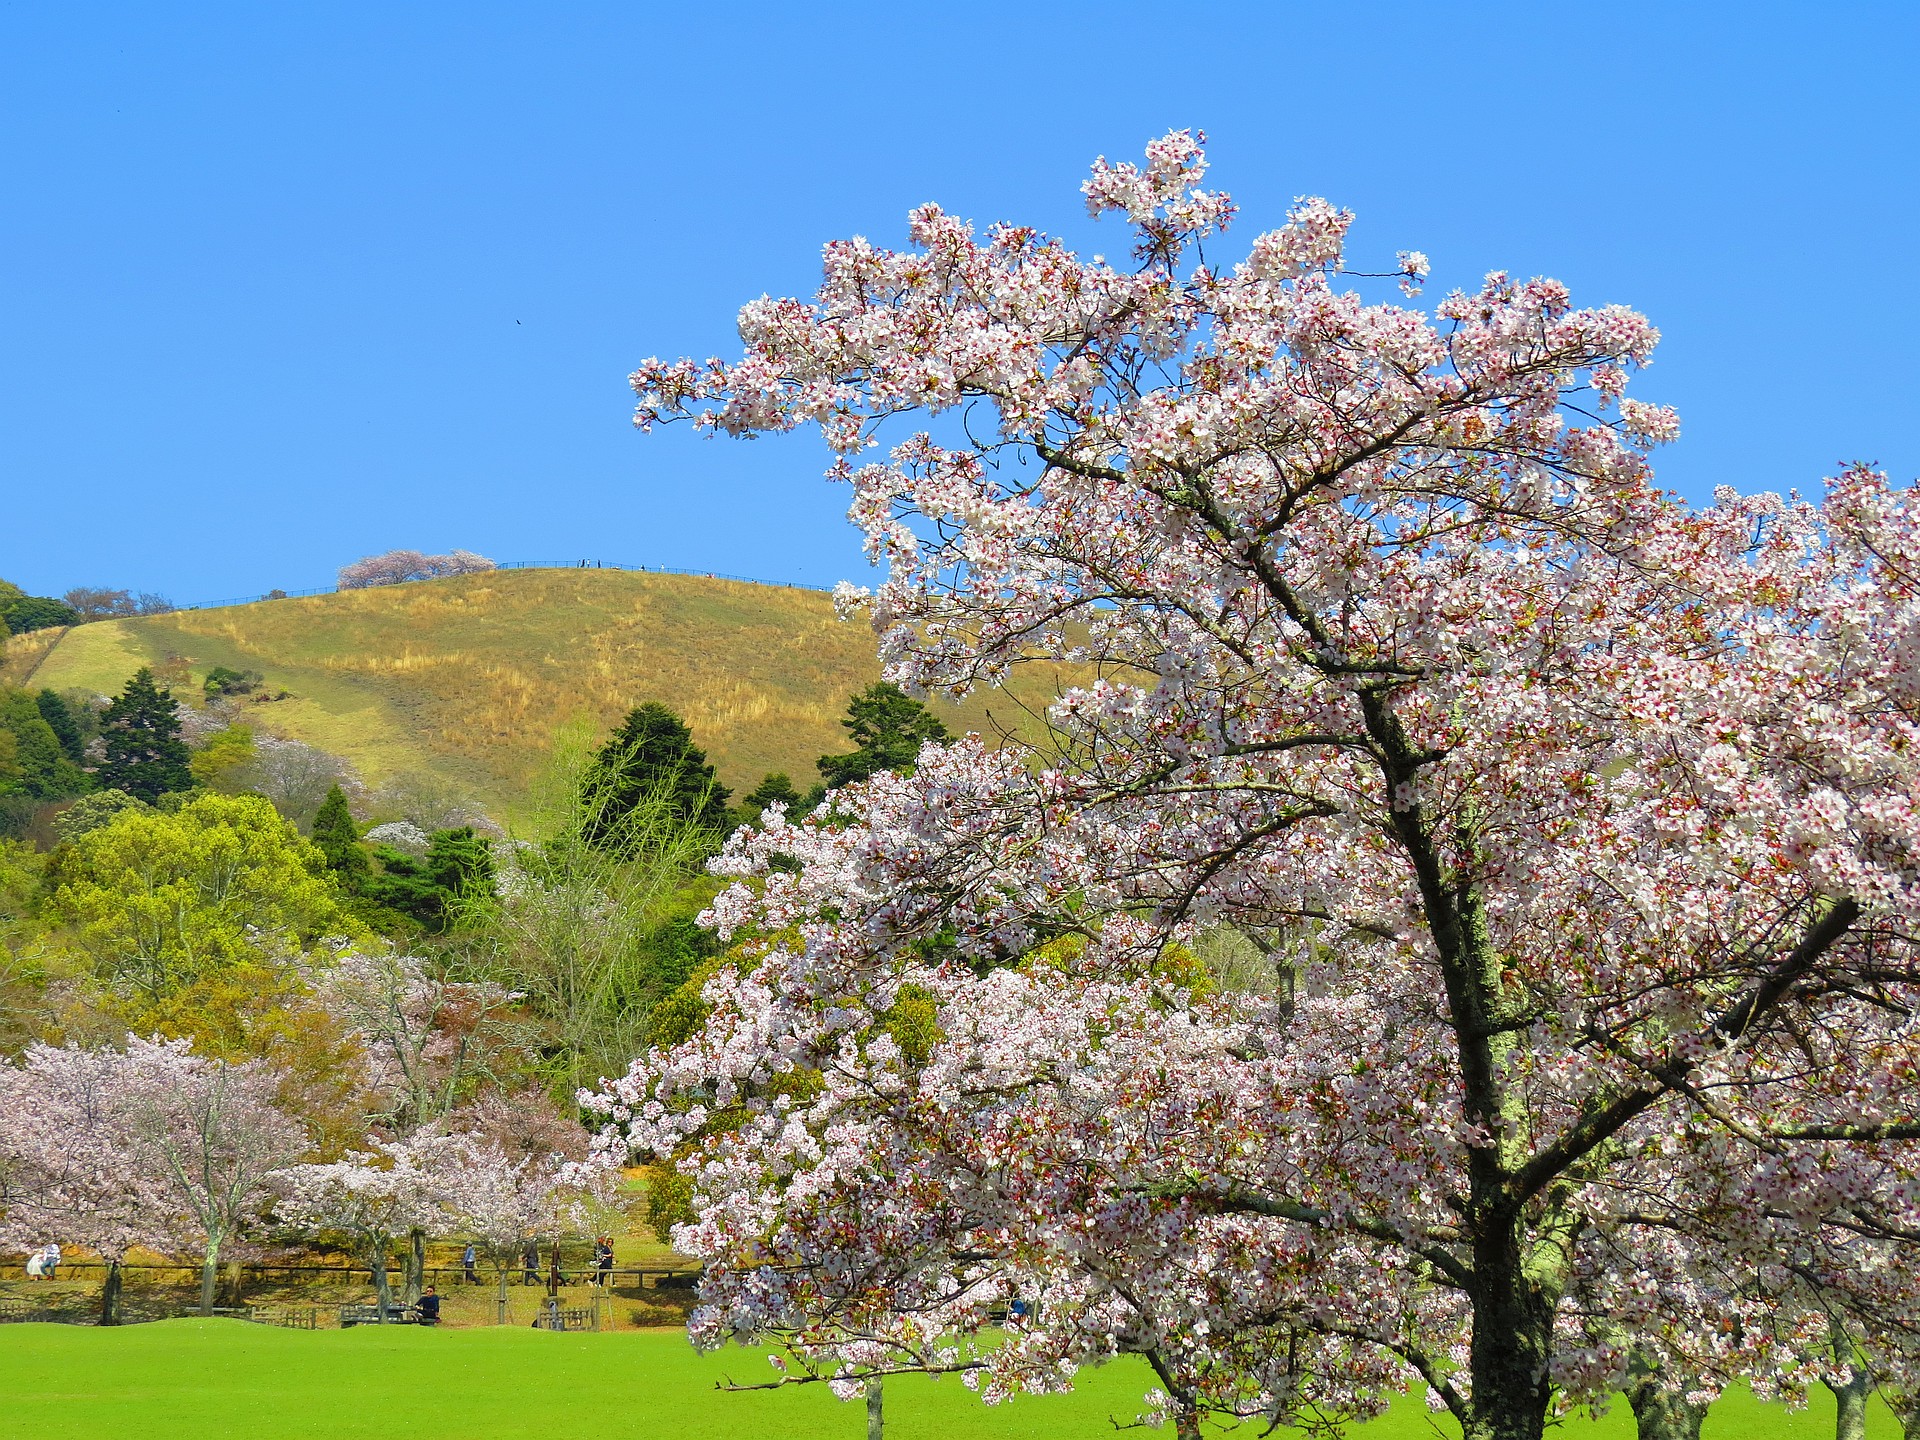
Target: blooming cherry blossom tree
x,y
214,1135
72,1161
1577,825
376,1197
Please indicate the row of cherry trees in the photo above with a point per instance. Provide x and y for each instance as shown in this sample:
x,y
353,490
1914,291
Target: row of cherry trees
x,y
147,1144
1568,834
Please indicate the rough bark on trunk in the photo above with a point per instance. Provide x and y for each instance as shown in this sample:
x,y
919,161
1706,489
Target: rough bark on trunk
x,y
110,1295
1850,1398
1511,1342
876,1416
382,1291
416,1266
1660,1406
209,1278
1907,1407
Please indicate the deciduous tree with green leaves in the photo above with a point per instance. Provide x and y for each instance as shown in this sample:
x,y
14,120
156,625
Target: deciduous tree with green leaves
x,y
159,901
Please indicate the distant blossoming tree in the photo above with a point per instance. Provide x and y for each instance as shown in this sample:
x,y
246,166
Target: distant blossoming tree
x,y
73,1160
396,567
375,1197
1577,827
215,1135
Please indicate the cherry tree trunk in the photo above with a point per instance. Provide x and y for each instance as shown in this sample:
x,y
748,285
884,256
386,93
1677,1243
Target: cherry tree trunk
x,y
110,1295
1850,1407
416,1278
1512,1342
1660,1406
382,1291
876,1416
209,1279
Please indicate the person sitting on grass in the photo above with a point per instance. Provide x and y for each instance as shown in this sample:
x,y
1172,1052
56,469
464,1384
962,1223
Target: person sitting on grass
x,y
429,1306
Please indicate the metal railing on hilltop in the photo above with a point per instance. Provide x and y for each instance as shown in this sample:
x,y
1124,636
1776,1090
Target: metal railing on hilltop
x,y
521,565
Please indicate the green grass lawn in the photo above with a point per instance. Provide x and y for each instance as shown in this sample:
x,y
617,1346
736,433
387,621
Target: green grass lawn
x,y
224,1378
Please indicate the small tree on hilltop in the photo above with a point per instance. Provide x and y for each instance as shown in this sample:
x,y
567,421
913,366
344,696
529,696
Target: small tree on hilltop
x,y
145,755
653,752
396,567
888,727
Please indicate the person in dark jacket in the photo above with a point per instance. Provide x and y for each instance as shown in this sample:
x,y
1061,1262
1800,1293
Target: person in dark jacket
x,y
429,1306
530,1262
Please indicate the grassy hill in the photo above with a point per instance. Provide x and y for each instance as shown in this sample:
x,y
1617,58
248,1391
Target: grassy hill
x,y
466,679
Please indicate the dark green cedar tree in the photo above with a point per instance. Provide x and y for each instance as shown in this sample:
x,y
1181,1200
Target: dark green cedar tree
x,y
64,723
339,840
141,730
652,749
888,727
774,789
42,768
458,866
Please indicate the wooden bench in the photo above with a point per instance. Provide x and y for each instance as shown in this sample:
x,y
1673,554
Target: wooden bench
x,y
289,1317
566,1317
352,1315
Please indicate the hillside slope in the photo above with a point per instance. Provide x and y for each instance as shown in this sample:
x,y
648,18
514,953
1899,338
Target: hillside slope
x,y
466,679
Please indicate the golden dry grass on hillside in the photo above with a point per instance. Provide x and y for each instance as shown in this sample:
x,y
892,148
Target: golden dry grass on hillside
x,y
467,679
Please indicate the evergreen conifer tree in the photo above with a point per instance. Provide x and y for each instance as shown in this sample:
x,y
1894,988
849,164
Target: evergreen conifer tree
x,y
141,729
338,838
888,728
774,788
653,748
44,771
64,724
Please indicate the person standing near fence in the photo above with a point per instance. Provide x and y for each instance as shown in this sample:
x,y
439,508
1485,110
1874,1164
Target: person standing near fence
x,y
530,1262
603,1259
469,1258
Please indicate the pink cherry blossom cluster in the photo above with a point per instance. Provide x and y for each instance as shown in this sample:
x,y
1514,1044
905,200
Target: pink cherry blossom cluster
x,y
1573,830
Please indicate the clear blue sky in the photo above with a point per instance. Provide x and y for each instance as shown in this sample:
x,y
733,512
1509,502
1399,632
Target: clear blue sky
x,y
286,284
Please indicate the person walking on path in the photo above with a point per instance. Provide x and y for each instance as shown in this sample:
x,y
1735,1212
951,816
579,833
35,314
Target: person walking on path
x,y
603,1259
469,1258
530,1262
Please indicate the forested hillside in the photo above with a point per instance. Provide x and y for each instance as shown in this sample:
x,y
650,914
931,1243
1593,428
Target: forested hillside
x,y
466,679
